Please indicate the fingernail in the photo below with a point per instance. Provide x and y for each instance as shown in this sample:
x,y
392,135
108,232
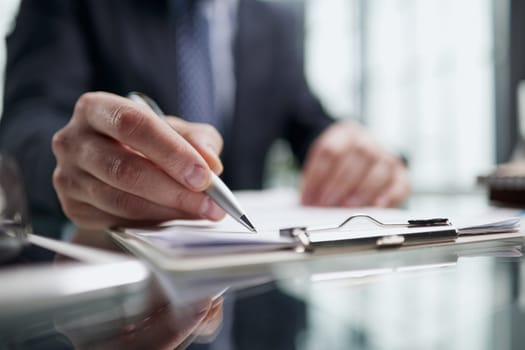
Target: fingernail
x,y
196,177
211,211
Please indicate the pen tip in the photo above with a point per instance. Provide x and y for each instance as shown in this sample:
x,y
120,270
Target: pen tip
x,y
248,224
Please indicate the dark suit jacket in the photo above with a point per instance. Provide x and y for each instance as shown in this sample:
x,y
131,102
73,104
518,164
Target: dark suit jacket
x,y
61,48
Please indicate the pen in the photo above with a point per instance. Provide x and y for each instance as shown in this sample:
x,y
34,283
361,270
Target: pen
x,y
218,191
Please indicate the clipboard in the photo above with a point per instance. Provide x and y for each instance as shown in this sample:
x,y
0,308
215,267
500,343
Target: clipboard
x,y
302,244
385,235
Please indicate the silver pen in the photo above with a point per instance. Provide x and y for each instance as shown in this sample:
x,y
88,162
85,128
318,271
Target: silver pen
x,y
218,191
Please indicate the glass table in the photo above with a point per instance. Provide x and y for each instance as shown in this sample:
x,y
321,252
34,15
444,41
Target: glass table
x,y
467,296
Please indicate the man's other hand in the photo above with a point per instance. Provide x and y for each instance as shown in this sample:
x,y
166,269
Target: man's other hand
x,y
347,167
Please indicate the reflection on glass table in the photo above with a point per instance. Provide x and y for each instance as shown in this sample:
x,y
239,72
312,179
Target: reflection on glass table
x,y
431,298
104,306
466,296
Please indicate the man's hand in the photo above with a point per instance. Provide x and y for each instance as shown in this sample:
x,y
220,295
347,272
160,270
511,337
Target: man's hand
x,y
346,167
120,164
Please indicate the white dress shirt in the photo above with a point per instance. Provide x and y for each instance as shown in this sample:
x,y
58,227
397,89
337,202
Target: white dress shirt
x,y
222,19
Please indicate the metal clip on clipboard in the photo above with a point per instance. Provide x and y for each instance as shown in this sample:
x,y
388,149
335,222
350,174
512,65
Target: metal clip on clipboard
x,y
383,235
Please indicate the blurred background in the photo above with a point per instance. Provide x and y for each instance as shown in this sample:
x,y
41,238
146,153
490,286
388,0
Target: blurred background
x,y
433,79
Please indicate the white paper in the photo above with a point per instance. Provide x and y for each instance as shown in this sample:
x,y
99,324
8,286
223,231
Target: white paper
x,y
273,210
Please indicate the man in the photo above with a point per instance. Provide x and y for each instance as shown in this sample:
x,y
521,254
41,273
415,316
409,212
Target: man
x,y
116,163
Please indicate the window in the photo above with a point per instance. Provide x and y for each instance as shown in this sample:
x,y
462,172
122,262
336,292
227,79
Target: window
x,y
7,11
412,70
416,74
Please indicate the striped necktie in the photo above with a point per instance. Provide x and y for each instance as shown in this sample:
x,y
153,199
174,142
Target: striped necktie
x,y
194,86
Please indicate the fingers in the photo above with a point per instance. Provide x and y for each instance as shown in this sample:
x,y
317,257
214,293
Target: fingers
x,y
316,169
372,185
139,128
344,179
89,217
120,163
396,193
204,138
83,188
324,155
346,167
131,173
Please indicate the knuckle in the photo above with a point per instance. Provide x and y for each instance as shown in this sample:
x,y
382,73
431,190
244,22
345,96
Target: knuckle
x,y
82,215
84,101
209,129
183,200
58,176
60,143
122,171
178,199
94,190
72,209
179,157
218,139
91,150
61,180
129,205
213,133
127,120
121,201
179,148
362,149
328,152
